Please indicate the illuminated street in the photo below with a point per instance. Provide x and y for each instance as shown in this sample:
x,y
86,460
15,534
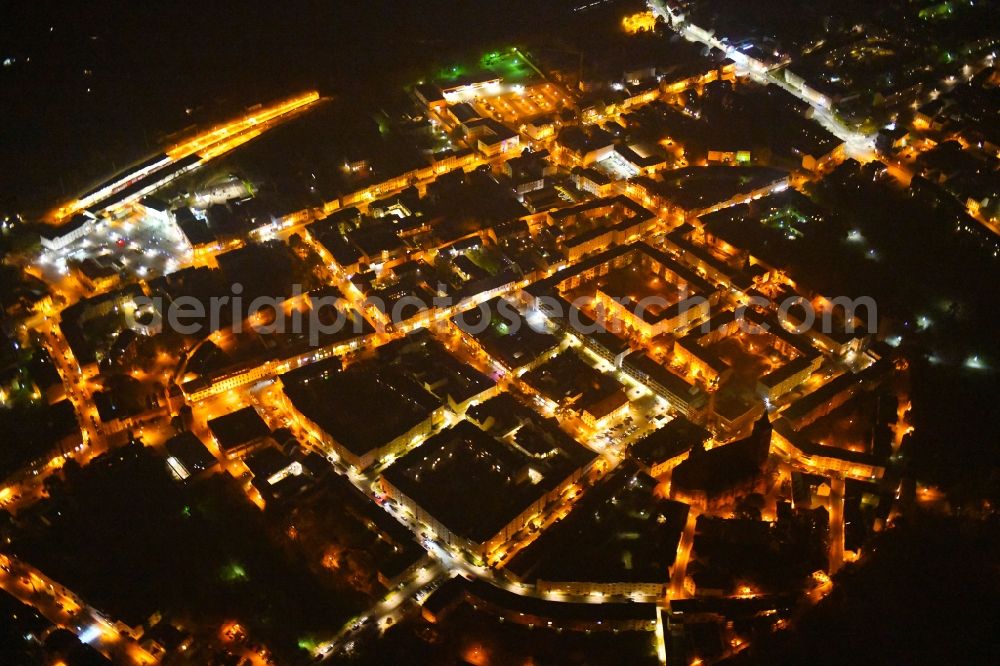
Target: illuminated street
x,y
645,332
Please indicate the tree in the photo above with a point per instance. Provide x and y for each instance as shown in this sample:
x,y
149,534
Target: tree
x,y
71,472
6,525
53,485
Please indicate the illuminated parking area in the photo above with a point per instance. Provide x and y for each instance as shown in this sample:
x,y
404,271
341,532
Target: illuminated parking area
x,y
516,103
139,245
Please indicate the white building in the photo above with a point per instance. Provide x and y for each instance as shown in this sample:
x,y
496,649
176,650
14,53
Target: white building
x,y
57,238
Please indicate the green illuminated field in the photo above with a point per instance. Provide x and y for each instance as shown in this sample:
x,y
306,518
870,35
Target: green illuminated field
x,y
508,63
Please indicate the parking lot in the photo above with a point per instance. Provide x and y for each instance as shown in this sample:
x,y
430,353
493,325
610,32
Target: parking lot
x,y
518,103
138,245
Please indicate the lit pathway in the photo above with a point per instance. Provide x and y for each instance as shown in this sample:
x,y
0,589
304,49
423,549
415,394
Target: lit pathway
x,y
65,609
383,609
858,145
836,523
676,589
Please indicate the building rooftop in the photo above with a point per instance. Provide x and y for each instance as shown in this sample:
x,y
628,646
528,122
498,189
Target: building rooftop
x,y
363,407
678,436
508,337
499,415
583,140
675,384
475,484
190,452
569,381
717,470
430,92
238,428
696,187
196,231
427,363
50,232
266,462
790,369
464,112
825,394
621,531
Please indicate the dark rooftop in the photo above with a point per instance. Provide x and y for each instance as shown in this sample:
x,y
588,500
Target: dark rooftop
x,y
723,467
475,484
676,437
508,337
621,531
190,451
693,188
363,407
239,427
